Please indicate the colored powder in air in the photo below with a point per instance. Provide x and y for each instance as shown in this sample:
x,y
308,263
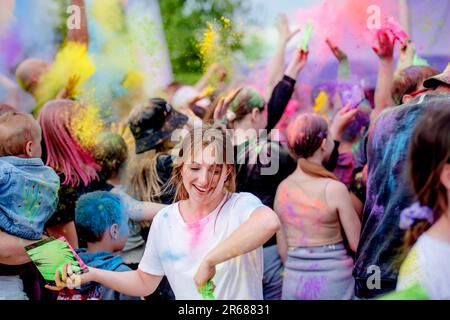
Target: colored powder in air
x,y
6,13
418,61
207,291
216,46
321,104
72,67
133,79
87,125
109,14
208,45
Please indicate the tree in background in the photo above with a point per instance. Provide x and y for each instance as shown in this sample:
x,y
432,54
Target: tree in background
x,y
185,22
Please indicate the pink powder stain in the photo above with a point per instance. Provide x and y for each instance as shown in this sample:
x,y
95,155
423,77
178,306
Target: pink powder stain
x,y
196,233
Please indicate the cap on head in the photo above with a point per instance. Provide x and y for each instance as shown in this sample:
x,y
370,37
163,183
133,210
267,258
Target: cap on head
x,y
153,123
438,80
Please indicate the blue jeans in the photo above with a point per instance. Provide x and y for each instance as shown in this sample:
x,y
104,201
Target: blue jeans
x,y
272,279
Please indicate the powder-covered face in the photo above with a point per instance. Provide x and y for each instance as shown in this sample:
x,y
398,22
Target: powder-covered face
x,y
122,236
204,176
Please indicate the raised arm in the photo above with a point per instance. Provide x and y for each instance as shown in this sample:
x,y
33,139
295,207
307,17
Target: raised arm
x,y
260,227
338,197
12,250
344,66
277,65
283,91
385,52
132,283
406,57
81,34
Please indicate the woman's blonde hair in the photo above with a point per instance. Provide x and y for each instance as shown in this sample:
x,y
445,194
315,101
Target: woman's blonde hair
x,y
196,140
144,182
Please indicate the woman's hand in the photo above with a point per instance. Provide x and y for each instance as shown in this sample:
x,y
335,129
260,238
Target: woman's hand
x,y
341,121
386,43
205,272
297,63
68,279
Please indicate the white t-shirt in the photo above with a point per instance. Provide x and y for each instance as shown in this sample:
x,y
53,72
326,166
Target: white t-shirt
x,y
176,249
428,264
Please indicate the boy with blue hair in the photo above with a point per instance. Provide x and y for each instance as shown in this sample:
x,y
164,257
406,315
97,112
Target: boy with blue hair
x,y
101,219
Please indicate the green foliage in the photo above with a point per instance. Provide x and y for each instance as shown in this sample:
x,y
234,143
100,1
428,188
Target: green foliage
x,y
184,22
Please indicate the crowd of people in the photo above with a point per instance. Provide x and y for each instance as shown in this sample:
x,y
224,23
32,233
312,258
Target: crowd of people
x,y
193,193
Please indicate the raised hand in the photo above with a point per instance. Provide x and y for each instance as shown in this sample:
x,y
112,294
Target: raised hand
x,y
407,52
284,30
297,63
338,53
224,103
341,120
386,43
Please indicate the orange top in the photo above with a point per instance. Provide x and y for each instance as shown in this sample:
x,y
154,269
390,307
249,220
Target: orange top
x,y
305,216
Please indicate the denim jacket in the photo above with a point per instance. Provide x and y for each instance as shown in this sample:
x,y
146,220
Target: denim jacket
x,y
28,196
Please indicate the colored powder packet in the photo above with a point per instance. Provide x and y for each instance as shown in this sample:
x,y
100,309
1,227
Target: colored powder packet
x,y
51,254
397,30
414,292
307,34
207,291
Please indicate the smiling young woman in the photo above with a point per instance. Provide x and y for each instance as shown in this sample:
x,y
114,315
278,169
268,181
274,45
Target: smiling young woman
x,y
210,233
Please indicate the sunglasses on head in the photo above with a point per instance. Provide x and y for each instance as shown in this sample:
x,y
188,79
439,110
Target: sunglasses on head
x,y
417,92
